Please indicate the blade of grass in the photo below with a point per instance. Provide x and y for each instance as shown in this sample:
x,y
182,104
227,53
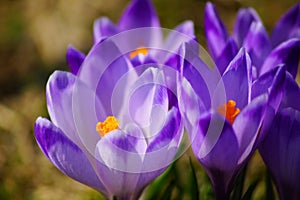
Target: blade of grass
x,y
194,191
155,189
269,186
238,190
250,190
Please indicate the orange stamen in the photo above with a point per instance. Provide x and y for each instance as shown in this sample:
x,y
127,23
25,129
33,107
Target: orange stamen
x,y
140,50
110,124
229,111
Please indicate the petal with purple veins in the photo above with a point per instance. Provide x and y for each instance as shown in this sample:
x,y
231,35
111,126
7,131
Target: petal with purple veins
x,y
119,161
162,150
59,91
73,107
65,155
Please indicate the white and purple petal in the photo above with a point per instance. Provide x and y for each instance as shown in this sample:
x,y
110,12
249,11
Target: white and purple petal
x,y
119,161
59,91
103,28
161,151
65,155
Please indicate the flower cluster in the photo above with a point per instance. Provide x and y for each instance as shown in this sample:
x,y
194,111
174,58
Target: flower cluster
x,y
118,118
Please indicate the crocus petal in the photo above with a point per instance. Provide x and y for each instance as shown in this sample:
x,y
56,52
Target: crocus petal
x,y
287,27
286,53
73,107
139,13
74,59
291,94
216,33
141,59
243,23
229,51
226,138
187,28
283,161
119,161
257,44
182,33
65,155
59,93
216,147
171,131
104,27
247,124
148,101
237,81
104,60
271,83
202,79
162,150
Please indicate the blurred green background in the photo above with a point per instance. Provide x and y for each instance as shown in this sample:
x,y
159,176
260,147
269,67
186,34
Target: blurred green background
x,y
34,36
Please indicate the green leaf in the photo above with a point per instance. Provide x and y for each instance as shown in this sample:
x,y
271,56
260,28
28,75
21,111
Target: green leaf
x,y
238,190
269,186
156,188
194,191
168,191
250,190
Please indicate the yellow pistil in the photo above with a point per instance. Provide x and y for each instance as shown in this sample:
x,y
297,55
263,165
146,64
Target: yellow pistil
x,y
110,124
229,110
140,50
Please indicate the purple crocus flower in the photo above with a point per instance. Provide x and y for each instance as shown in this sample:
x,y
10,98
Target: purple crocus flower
x,y
138,14
224,115
130,148
280,148
266,52
115,125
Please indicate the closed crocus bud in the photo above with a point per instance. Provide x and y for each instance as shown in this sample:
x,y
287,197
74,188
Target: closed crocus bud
x,y
280,149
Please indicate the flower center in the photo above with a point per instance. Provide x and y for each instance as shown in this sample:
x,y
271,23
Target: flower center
x,y
110,124
142,50
229,111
